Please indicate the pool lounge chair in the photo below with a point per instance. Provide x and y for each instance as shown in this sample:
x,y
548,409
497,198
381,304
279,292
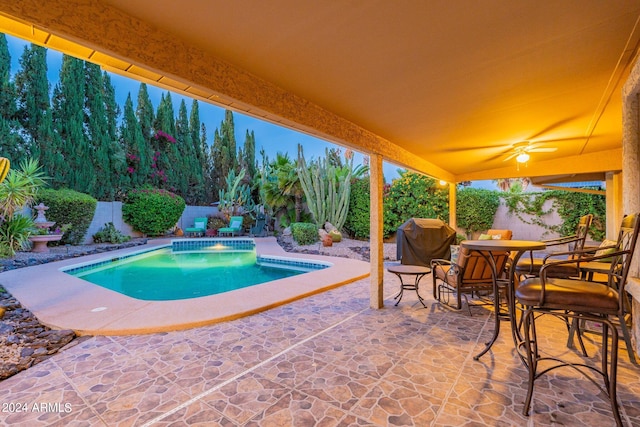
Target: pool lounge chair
x,y
198,229
235,226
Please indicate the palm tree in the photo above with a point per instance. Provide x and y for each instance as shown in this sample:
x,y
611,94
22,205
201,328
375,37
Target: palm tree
x,y
289,184
273,179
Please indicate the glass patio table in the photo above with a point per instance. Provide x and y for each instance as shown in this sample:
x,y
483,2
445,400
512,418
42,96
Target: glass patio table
x,y
517,248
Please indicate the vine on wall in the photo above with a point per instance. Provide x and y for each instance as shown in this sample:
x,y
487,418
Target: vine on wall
x,y
570,206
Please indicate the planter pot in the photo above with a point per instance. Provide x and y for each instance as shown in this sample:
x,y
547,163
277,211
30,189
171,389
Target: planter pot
x,y
327,241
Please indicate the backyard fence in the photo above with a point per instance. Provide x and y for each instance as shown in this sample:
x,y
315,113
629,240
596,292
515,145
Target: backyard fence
x,y
112,212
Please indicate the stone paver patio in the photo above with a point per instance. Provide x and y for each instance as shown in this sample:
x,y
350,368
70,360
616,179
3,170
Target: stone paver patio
x,y
326,360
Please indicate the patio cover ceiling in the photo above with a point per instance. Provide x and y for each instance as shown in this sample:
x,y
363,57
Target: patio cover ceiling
x,y
446,88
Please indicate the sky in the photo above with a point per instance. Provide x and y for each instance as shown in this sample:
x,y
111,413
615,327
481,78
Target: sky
x,y
272,138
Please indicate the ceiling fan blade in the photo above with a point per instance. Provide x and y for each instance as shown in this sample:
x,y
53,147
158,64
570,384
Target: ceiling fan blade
x,y
511,156
542,150
482,147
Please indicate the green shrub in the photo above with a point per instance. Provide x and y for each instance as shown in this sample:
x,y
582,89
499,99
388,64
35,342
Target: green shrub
x,y
414,196
304,233
357,223
14,235
69,207
109,234
152,211
476,208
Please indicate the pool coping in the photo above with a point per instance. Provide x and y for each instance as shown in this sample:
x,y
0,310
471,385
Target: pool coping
x,y
62,301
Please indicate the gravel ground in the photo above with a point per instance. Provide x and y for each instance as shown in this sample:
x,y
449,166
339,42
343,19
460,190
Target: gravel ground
x,y
25,342
347,248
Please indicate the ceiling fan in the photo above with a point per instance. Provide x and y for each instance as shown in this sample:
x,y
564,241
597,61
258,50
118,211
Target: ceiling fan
x,y
522,149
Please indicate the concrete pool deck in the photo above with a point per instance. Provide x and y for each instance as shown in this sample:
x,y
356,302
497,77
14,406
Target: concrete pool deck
x,y
61,301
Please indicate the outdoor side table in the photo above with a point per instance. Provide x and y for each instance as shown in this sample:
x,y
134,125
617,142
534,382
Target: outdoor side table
x,y
417,271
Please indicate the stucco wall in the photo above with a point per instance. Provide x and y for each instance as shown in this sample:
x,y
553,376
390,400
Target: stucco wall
x,y
112,212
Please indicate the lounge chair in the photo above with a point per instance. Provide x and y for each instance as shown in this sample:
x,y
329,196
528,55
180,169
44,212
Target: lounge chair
x,y
235,226
199,227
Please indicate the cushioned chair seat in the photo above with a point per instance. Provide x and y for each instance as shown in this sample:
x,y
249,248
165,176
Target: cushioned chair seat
x,y
574,295
532,266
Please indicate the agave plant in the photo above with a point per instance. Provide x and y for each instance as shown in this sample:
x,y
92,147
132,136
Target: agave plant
x,y
14,234
17,191
20,187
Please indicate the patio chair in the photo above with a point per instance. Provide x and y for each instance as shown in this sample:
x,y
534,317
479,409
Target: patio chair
x,y
471,273
580,299
199,227
530,266
260,227
235,226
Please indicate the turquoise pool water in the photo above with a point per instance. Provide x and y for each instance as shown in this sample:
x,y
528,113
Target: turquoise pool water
x,y
165,274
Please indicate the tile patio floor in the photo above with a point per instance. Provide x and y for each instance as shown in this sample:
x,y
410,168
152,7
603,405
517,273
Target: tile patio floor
x,y
327,360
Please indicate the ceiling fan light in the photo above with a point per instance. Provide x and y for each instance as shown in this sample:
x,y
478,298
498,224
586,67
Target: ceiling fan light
x,y
522,158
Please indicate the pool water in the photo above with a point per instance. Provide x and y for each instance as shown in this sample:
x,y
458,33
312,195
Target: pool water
x,y
163,275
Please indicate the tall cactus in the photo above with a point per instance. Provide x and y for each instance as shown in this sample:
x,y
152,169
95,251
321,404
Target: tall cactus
x,y
327,189
236,199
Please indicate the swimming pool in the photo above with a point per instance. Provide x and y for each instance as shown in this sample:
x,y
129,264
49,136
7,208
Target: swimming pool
x,y
63,301
190,269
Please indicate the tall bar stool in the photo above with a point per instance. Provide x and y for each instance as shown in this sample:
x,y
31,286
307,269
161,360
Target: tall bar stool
x,y
582,300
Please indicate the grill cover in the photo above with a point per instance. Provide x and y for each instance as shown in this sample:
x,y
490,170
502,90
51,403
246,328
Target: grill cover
x,y
419,240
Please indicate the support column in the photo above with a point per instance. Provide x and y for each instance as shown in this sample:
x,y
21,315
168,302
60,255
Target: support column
x,y
452,206
376,241
614,203
631,183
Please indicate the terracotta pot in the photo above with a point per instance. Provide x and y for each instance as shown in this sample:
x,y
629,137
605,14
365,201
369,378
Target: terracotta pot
x,y
327,241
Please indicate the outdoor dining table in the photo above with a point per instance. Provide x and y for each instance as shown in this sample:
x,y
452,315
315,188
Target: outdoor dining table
x,y
517,248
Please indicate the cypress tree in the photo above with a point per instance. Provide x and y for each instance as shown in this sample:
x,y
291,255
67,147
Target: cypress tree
x,y
146,117
228,134
11,144
119,180
198,163
34,112
182,165
138,165
219,166
194,130
97,132
249,153
207,165
223,153
164,146
68,122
